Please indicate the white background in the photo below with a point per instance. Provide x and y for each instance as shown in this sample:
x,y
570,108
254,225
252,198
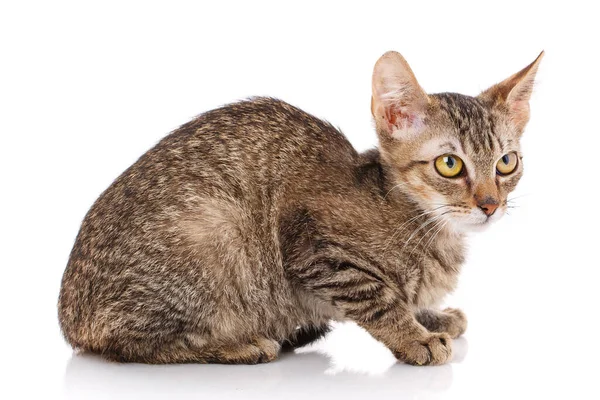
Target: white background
x,y
86,88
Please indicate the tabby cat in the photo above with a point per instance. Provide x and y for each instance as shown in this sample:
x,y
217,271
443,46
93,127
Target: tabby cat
x,y
255,224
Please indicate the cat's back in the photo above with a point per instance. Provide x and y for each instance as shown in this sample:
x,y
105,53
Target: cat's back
x,y
254,144
260,130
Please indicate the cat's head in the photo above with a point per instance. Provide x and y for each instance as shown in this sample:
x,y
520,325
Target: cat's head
x,y
457,156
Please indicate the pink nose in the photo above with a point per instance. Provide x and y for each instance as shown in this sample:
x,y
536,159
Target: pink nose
x,y
489,207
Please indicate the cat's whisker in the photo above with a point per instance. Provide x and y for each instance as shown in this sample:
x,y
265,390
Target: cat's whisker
x,y
399,230
518,197
437,224
434,219
512,201
401,184
434,236
416,246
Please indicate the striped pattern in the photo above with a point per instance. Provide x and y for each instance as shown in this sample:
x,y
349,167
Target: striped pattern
x,y
473,121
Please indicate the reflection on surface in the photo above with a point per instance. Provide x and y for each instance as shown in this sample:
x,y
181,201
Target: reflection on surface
x,y
319,371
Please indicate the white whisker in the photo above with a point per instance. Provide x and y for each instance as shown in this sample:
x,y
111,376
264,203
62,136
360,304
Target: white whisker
x,y
434,236
395,187
400,229
434,219
439,221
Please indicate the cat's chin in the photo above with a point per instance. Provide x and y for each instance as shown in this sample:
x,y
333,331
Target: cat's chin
x,y
471,226
465,228
477,227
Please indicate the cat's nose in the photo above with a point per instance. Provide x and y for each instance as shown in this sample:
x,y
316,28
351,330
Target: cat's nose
x,y
488,206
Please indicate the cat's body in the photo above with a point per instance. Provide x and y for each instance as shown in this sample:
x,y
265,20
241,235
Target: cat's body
x,y
249,222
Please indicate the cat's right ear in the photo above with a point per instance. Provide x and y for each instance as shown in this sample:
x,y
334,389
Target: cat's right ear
x,y
514,92
398,103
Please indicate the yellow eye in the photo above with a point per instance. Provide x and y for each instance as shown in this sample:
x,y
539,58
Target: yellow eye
x,y
449,165
507,164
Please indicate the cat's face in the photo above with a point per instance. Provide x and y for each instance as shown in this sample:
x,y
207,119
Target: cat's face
x,y
457,156
462,165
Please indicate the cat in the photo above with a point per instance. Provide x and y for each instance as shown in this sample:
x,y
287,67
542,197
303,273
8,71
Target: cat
x,y
255,224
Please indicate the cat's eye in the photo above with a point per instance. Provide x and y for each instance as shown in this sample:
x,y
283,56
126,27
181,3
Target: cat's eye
x,y
507,164
449,166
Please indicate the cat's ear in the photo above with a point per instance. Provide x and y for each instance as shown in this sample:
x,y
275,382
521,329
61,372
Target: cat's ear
x,y
514,93
398,103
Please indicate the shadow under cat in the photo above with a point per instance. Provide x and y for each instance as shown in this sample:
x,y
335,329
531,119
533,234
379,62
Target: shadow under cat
x,y
317,371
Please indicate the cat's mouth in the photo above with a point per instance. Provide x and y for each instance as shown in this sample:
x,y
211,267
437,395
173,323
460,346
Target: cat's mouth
x,y
476,221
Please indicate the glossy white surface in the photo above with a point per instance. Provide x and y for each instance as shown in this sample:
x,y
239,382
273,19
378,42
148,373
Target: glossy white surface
x,y
86,88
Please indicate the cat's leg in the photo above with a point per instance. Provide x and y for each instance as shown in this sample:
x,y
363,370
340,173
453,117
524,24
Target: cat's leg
x,y
305,335
364,295
184,350
408,340
451,320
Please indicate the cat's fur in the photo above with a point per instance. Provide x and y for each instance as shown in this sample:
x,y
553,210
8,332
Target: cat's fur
x,y
256,219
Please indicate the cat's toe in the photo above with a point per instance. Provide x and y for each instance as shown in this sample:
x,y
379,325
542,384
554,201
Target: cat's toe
x,y
435,349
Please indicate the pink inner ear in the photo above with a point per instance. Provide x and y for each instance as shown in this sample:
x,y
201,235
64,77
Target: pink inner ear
x,y
391,115
399,119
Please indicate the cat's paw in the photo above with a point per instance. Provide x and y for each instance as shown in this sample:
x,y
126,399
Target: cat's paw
x,y
260,351
458,322
269,350
433,349
451,321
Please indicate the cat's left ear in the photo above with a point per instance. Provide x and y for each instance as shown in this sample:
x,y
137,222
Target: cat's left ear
x,y
398,103
514,93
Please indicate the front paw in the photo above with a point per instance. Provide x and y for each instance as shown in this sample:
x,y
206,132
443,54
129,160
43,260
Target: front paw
x,y
451,321
457,324
432,349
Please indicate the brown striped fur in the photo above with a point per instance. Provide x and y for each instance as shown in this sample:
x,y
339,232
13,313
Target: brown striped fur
x,y
255,224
